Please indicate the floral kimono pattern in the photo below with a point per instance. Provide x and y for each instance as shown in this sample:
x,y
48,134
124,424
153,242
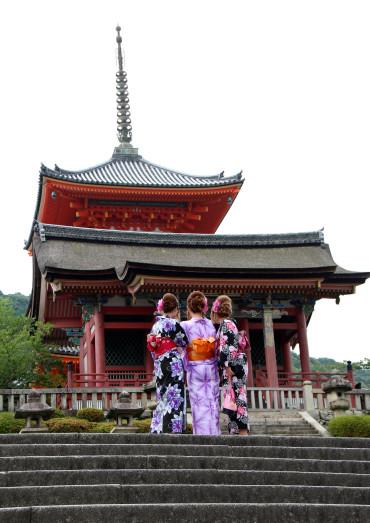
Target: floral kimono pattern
x,y
203,381
230,356
170,414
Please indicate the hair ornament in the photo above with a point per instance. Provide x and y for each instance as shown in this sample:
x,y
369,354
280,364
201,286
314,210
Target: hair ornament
x,y
216,305
205,304
160,306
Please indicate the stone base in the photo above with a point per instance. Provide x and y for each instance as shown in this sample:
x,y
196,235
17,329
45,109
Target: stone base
x,y
35,430
124,429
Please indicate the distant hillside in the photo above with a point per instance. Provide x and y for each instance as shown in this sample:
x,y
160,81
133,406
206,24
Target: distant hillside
x,y
19,302
327,365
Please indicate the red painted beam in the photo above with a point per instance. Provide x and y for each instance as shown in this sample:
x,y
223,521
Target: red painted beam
x,y
123,325
59,324
137,311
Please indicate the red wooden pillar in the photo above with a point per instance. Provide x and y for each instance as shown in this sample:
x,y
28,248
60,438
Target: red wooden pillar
x,y
90,349
303,344
99,345
287,359
244,325
70,380
270,351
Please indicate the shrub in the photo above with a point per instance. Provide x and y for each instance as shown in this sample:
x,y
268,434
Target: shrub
x,y
350,426
9,425
62,425
58,414
101,427
91,414
144,426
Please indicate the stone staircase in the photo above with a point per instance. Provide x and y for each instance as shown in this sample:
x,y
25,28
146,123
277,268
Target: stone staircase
x,y
88,478
280,423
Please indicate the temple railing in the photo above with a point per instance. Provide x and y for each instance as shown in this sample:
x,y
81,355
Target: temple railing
x,y
284,398
134,377
74,398
111,378
259,398
296,379
360,397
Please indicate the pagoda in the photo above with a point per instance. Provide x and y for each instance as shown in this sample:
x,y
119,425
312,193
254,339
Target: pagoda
x,y
108,241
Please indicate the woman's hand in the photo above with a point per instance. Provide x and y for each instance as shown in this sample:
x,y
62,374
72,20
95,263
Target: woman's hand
x,y
229,372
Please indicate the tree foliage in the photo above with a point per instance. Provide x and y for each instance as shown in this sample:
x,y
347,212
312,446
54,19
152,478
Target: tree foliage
x,y
24,358
18,301
362,364
361,369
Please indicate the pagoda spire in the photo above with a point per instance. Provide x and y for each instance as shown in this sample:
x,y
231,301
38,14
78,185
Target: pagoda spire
x,y
123,107
124,129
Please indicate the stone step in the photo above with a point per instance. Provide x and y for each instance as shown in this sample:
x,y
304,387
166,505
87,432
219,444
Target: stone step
x,y
185,476
185,512
181,439
277,423
181,493
73,449
284,431
121,461
145,477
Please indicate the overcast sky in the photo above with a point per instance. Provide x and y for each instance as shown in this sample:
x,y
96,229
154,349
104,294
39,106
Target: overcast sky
x,y
278,89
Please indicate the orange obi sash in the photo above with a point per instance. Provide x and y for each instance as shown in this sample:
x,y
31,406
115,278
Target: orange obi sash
x,y
201,349
159,345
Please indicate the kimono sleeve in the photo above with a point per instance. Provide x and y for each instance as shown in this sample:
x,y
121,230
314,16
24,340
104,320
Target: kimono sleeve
x,y
228,340
178,335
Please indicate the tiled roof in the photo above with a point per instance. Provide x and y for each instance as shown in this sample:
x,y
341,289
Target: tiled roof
x,y
131,171
62,232
65,351
108,254
105,251
135,171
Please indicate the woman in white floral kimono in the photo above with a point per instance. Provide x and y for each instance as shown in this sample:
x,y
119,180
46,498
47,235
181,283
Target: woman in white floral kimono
x,y
166,342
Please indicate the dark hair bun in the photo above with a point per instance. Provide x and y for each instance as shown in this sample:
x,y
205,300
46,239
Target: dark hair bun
x,y
169,303
196,302
225,308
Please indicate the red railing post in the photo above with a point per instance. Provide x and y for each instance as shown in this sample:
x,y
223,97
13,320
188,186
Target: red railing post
x,y
350,375
70,375
351,378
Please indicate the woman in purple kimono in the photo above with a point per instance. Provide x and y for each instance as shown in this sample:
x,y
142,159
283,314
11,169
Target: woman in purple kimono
x,y
201,364
166,342
233,363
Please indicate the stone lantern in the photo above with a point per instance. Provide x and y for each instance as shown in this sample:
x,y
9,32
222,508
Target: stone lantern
x,y
124,409
35,410
335,390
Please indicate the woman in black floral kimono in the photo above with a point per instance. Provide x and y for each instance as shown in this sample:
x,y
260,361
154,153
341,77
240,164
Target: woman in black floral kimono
x,y
233,362
166,341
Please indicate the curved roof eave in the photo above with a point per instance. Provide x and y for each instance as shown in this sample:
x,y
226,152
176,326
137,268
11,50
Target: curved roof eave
x,y
136,171
56,174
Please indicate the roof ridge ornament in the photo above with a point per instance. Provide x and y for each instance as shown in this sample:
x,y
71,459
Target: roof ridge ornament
x,y
123,107
124,128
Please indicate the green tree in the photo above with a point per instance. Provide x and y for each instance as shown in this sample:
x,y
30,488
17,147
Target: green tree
x,y
18,301
24,357
361,368
362,364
